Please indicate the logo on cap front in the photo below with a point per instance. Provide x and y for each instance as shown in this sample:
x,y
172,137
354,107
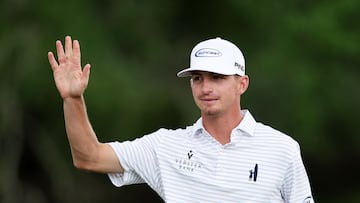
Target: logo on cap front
x,y
208,52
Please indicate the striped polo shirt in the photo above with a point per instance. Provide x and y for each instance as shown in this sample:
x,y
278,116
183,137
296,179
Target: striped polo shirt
x,y
260,164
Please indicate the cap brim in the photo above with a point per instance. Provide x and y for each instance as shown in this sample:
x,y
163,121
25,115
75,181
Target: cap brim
x,y
187,72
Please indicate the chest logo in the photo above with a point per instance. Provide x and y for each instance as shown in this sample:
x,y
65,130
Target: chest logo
x,y
190,154
188,164
253,173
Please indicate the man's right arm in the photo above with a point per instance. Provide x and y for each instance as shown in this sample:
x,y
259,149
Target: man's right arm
x,y
71,81
87,152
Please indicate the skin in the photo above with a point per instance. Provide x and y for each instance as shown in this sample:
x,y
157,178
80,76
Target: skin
x,y
217,96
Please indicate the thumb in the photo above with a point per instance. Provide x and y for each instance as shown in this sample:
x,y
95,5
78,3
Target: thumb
x,y
86,73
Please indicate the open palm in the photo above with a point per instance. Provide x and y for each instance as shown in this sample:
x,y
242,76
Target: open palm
x,y
70,78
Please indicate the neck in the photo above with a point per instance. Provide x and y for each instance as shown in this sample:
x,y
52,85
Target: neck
x,y
220,127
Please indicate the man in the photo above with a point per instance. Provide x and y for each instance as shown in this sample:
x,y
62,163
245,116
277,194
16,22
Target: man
x,y
226,156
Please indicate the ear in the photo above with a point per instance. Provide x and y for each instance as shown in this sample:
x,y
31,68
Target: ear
x,y
243,84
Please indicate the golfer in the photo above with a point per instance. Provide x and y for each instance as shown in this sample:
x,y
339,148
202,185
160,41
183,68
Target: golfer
x,y
224,156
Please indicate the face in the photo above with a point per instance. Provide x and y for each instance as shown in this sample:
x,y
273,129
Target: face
x,y
217,94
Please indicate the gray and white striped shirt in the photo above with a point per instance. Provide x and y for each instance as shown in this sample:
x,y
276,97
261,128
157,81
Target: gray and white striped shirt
x,y
260,164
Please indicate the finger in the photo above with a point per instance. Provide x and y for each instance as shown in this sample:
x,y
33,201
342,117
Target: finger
x,y
86,70
60,51
68,46
86,74
54,65
76,52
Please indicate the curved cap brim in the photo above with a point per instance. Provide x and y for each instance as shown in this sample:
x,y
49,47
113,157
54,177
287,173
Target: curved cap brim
x,y
187,72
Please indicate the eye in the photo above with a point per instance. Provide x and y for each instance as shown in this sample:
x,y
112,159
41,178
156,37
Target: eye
x,y
217,77
195,77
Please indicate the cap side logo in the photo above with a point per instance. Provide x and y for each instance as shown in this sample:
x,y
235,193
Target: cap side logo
x,y
208,52
239,66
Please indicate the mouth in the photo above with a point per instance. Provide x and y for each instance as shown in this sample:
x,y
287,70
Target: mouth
x,y
208,100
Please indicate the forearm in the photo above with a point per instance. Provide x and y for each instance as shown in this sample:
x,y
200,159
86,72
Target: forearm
x,y
71,81
82,138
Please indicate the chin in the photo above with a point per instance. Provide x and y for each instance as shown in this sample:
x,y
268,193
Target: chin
x,y
210,113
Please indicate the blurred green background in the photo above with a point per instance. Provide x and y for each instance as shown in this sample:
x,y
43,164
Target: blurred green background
x,y
302,58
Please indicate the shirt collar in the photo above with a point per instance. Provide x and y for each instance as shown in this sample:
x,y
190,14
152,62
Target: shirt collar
x,y
247,124
198,127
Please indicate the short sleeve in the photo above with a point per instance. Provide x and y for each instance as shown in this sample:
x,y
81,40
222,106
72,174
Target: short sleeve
x,y
139,161
128,177
296,186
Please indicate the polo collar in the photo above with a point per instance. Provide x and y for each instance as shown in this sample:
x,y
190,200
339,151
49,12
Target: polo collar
x,y
198,127
247,124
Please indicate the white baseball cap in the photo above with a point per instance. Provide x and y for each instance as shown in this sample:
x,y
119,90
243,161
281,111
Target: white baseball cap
x,y
216,56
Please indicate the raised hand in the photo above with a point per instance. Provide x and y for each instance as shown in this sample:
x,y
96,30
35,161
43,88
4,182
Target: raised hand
x,y
70,78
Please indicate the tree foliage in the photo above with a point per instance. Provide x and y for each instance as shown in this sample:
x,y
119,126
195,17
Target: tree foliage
x,y
301,57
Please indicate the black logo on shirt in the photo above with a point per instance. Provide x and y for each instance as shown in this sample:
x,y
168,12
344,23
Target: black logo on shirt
x,y
188,164
253,173
190,154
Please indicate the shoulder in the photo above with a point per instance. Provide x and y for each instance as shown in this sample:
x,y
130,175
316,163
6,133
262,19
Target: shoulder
x,y
267,130
270,136
179,133
263,133
166,134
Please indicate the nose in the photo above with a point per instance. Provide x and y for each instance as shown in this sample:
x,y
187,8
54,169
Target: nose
x,y
206,86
